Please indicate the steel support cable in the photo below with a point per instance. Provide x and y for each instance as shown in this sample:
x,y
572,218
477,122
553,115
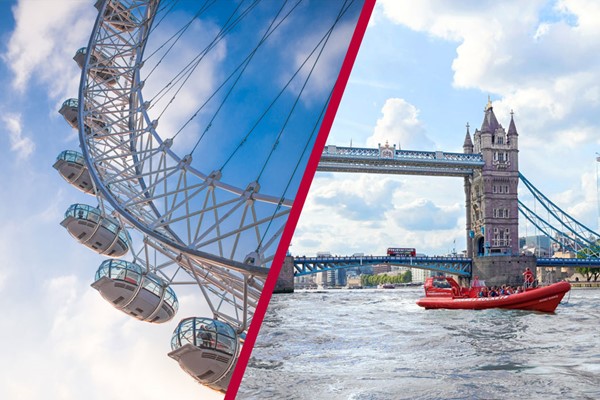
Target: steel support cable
x,y
318,57
233,74
178,36
328,35
136,222
557,218
182,74
306,146
544,200
264,114
540,197
221,34
245,63
193,64
172,5
566,243
532,217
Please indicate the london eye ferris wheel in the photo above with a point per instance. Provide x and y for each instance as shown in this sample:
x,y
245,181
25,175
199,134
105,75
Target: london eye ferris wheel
x,y
195,120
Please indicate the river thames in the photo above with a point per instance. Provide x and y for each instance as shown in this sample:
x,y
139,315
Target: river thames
x,y
378,344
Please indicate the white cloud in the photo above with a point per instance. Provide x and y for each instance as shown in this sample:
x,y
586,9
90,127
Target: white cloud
x,y
424,215
58,329
541,31
497,57
400,124
348,213
197,88
46,36
330,61
22,145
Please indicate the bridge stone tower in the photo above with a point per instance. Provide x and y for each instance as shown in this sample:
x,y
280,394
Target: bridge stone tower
x,y
491,201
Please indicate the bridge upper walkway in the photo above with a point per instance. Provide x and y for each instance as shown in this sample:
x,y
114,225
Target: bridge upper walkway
x,y
403,162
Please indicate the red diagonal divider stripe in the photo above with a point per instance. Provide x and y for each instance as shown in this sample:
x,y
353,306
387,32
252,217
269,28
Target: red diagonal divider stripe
x,y
309,173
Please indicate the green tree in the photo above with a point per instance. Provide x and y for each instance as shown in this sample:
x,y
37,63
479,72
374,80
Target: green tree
x,y
589,273
590,252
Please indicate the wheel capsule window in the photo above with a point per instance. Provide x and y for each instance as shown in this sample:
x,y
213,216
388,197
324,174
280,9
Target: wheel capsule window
x,y
206,349
136,292
97,231
94,124
71,166
100,66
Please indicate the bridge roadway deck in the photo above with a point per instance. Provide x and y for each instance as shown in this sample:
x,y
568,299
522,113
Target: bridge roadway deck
x,y
569,262
460,266
452,265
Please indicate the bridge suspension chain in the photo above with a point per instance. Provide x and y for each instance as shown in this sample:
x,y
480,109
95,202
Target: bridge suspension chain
x,y
564,229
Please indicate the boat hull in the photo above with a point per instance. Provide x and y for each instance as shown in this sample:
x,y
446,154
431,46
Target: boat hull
x,y
543,299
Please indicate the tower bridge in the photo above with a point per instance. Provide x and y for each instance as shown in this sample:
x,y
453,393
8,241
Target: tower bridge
x,y
489,166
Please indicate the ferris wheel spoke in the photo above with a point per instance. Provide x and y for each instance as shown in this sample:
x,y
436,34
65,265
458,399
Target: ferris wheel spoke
x,y
216,226
241,229
273,240
214,73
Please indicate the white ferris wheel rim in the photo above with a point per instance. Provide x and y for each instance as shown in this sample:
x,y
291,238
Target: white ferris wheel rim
x,y
93,150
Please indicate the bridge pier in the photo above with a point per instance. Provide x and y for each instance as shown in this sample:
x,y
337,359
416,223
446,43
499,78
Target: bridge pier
x,y
500,270
285,281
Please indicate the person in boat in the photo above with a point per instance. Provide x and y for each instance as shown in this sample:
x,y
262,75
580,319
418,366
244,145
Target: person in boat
x,y
528,278
519,289
483,292
493,292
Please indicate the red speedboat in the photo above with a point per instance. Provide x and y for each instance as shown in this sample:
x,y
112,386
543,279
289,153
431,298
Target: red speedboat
x,y
445,292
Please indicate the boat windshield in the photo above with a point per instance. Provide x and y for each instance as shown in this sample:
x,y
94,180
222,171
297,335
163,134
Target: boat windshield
x,y
441,283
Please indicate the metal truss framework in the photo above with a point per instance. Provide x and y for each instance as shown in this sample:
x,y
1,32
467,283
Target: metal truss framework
x,y
569,262
451,265
402,162
223,237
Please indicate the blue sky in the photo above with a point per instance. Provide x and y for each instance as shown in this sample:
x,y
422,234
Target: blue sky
x,y
424,70
60,340
422,73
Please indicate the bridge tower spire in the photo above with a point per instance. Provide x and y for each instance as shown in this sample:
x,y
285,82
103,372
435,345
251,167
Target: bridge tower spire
x,y
493,217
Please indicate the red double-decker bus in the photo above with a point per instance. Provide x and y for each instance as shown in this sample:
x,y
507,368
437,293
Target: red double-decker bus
x,y
401,252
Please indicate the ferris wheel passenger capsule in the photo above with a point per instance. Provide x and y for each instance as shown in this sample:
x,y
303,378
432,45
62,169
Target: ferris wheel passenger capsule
x,y
69,110
71,166
136,292
206,349
100,66
117,15
97,231
95,123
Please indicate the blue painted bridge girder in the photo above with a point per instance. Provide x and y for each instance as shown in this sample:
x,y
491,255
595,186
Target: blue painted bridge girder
x,y
460,266
569,262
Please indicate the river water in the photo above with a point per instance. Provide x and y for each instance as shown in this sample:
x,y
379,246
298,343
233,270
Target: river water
x,y
378,344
